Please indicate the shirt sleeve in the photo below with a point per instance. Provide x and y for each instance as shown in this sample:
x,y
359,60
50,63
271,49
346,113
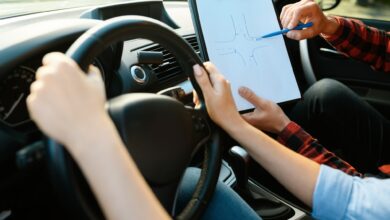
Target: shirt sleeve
x,y
297,139
362,42
340,196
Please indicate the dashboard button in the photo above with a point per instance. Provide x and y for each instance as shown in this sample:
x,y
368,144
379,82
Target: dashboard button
x,y
138,74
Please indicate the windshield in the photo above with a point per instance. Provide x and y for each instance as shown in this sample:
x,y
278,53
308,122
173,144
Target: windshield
x,y
10,8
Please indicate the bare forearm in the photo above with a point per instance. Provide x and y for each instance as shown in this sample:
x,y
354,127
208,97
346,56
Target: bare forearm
x,y
297,173
120,189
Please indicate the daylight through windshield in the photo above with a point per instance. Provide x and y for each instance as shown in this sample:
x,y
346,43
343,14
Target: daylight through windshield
x,y
10,8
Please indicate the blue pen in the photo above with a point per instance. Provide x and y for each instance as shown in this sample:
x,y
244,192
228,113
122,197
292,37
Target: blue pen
x,y
299,27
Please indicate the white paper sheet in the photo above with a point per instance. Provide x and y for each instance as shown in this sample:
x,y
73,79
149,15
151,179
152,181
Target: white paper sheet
x,y
230,29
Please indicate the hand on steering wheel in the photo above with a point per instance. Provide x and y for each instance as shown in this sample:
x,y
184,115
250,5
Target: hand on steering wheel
x,y
160,133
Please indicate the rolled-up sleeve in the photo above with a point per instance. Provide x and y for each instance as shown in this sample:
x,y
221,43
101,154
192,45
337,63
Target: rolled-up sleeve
x,y
340,196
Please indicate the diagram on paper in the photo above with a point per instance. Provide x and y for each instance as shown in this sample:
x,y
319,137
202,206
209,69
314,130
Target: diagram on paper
x,y
240,34
230,30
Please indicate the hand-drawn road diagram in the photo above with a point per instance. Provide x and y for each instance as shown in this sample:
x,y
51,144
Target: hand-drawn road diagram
x,y
230,30
241,32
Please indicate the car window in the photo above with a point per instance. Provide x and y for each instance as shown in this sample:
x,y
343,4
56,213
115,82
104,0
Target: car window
x,y
11,8
371,9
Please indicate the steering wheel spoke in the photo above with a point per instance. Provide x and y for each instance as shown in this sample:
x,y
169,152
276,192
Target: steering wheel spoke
x,y
201,127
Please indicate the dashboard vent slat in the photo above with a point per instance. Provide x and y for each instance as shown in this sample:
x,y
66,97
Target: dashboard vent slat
x,y
170,70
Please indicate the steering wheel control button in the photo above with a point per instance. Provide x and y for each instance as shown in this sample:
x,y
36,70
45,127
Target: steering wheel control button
x,y
30,156
138,74
175,92
198,123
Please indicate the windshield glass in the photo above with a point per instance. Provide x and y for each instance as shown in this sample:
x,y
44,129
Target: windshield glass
x,y
10,8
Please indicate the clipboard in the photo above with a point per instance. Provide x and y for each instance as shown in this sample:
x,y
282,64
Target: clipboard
x,y
289,95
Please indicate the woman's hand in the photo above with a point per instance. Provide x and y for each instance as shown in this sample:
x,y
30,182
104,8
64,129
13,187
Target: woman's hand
x,y
267,116
218,97
307,11
66,103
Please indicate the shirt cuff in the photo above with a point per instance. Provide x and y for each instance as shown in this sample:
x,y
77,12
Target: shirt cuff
x,y
294,137
332,194
288,131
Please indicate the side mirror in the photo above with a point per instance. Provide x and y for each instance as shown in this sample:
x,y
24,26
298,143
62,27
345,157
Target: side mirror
x,y
327,5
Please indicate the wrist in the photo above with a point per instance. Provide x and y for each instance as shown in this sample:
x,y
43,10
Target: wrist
x,y
283,125
96,133
331,26
235,126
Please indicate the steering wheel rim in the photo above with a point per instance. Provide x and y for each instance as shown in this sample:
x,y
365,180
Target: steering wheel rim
x,y
83,51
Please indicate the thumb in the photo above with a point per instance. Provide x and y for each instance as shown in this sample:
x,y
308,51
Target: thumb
x,y
195,98
251,97
94,73
203,80
301,34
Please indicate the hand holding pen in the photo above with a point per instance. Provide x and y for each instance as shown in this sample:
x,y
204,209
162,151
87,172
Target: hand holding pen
x,y
286,30
305,12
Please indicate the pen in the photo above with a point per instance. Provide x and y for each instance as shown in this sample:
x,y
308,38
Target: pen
x,y
299,27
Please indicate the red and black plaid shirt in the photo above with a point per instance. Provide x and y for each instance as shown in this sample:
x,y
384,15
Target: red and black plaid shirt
x,y
358,41
294,137
362,42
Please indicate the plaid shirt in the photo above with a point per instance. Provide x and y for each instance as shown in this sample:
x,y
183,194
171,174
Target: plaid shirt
x,y
294,137
354,39
362,42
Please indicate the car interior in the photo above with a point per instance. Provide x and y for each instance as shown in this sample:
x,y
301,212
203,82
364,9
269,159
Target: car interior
x,y
148,48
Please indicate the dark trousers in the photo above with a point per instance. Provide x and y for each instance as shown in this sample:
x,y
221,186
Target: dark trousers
x,y
346,124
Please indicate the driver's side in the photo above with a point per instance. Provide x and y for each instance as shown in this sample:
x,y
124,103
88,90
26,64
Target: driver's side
x,y
126,133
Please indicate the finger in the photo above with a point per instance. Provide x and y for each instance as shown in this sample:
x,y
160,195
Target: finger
x,y
290,11
94,73
203,79
42,71
211,68
287,17
283,13
299,13
302,34
30,101
61,63
216,78
93,70
195,97
35,111
251,97
35,87
53,57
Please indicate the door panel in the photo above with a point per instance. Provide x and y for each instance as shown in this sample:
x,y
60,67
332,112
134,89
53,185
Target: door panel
x,y
320,60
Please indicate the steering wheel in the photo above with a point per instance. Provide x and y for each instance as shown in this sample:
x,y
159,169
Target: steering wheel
x,y
160,133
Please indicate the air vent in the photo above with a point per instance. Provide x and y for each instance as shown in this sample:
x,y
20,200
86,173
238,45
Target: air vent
x,y
170,71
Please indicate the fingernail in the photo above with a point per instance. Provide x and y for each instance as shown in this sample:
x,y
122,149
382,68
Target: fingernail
x,y
197,70
242,90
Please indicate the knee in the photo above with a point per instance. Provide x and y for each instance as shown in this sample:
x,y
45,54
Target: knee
x,y
328,91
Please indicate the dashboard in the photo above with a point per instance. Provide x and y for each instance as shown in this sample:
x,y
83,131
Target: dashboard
x,y
129,66
15,87
13,92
